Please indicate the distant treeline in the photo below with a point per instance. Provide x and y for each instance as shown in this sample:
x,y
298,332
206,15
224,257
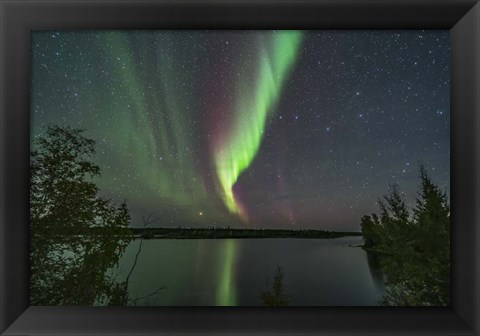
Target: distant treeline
x,y
221,233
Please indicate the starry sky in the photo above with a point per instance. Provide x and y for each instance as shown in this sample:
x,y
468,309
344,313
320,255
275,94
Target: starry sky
x,y
272,129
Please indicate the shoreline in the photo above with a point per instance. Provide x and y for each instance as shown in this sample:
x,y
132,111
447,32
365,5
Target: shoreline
x,y
230,233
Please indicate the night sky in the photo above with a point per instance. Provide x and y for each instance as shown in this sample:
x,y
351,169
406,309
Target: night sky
x,y
277,129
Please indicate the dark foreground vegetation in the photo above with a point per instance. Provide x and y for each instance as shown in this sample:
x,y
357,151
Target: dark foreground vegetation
x,y
412,245
69,258
224,233
275,296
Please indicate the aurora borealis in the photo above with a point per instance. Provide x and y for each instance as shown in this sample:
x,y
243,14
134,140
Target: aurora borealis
x,y
256,129
235,152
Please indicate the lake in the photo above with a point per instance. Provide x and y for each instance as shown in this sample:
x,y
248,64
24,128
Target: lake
x,y
211,272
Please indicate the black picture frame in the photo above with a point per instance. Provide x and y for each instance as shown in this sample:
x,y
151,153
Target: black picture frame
x,y
19,17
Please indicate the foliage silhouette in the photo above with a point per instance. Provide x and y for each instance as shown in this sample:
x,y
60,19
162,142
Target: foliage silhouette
x,y
76,235
413,246
276,296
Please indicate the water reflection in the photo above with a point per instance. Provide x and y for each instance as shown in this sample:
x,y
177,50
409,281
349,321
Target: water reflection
x,y
226,294
234,271
76,270
375,268
210,272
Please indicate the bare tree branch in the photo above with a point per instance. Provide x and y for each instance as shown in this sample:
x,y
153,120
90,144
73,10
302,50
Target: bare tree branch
x,y
146,221
135,301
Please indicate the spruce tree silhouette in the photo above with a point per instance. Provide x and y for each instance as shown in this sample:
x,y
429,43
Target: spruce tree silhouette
x,y
413,246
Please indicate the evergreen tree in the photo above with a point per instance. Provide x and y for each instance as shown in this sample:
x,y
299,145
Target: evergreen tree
x,y
414,247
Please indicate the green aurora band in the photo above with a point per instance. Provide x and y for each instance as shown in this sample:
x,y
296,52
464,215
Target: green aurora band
x,y
252,110
158,150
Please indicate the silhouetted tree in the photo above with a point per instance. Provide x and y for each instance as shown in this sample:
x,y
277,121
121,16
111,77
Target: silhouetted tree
x,y
276,296
414,246
76,235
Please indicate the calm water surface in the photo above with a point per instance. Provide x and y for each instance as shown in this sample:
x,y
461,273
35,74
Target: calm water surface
x,y
207,272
